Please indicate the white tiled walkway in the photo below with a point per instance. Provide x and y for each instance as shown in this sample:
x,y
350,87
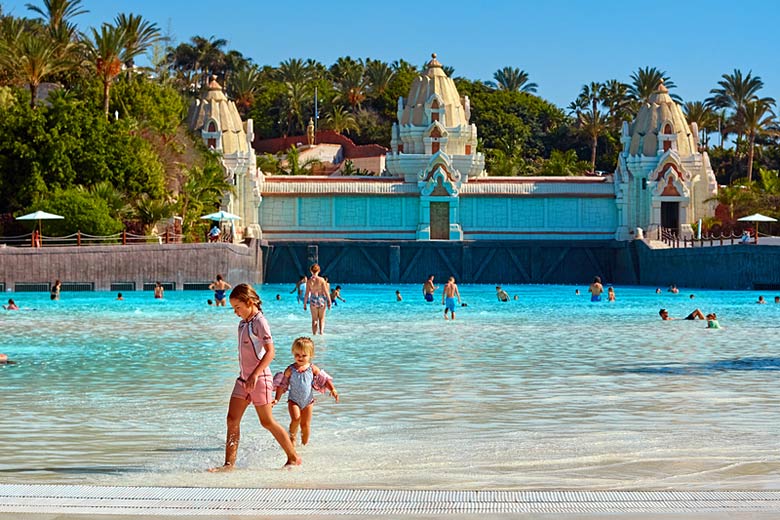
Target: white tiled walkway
x,y
58,501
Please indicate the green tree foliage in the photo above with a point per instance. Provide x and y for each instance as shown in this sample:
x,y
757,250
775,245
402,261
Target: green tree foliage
x,y
83,211
66,144
564,164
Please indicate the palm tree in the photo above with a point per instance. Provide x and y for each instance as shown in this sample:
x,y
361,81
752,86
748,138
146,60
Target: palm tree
x,y
514,79
243,86
57,13
33,59
209,56
294,165
379,75
149,211
202,188
339,120
735,90
702,114
350,81
107,50
733,93
756,119
140,35
615,98
115,199
590,120
563,164
645,82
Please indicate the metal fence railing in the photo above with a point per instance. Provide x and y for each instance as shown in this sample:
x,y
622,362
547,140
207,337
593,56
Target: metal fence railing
x,y
673,239
124,238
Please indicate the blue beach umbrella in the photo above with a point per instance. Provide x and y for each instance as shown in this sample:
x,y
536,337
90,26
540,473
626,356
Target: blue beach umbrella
x,y
221,215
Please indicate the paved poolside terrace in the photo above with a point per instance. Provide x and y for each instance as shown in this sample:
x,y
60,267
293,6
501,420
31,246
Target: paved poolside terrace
x,y
50,502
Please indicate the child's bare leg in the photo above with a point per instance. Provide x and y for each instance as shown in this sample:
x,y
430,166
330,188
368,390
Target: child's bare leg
x,y
452,314
295,419
306,414
236,410
277,430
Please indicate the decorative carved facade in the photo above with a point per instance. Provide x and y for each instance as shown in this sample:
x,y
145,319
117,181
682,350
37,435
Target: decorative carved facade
x,y
662,178
216,119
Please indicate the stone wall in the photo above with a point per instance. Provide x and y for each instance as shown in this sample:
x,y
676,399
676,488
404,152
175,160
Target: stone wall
x,y
738,267
176,264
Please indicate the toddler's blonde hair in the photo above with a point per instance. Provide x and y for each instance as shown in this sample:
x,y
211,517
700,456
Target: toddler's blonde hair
x,y
304,344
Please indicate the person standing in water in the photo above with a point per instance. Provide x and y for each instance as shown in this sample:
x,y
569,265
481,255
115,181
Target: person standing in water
x,y
318,298
159,291
448,296
254,384
219,287
55,290
428,289
596,289
300,288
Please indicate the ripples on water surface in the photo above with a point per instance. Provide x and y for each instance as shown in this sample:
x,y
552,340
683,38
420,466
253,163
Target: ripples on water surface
x,y
550,391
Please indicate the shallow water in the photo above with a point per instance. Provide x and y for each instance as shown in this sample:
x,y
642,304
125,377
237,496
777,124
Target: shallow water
x,y
550,391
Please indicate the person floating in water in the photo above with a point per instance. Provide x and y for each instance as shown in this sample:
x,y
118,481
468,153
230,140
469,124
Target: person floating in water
x,y
501,294
695,315
428,289
596,289
761,300
11,305
159,291
448,296
219,287
576,292
254,384
318,298
673,289
300,288
302,379
119,296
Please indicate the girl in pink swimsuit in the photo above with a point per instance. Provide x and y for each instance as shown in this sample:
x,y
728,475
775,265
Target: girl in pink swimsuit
x,y
254,384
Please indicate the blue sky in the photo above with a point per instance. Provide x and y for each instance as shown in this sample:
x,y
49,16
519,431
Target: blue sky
x,y
561,44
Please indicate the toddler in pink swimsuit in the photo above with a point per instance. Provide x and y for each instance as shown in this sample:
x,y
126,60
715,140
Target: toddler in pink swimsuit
x,y
254,384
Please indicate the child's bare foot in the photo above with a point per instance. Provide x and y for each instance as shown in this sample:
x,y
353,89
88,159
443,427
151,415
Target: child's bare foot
x,y
222,469
290,463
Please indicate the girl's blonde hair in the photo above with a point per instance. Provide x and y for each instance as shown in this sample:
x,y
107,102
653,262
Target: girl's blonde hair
x,y
304,344
315,268
245,293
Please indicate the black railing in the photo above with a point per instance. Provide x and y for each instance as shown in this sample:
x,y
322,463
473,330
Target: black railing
x,y
672,238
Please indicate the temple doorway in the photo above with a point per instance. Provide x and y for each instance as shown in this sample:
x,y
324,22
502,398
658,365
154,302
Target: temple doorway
x,y
440,220
670,216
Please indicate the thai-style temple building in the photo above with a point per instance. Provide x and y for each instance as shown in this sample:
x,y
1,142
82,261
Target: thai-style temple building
x,y
436,189
216,119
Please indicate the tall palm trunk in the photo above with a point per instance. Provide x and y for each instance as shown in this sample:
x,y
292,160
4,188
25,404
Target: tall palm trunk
x,y
33,94
106,97
751,152
595,142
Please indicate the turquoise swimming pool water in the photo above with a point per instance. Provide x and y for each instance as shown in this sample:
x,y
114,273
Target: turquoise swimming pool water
x,y
550,391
